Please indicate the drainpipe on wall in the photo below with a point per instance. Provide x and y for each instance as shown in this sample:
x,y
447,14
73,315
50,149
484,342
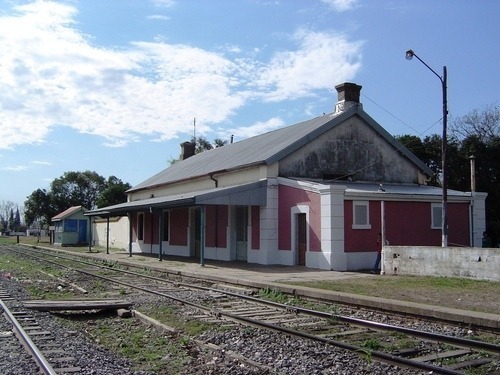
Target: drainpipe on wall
x,y
214,179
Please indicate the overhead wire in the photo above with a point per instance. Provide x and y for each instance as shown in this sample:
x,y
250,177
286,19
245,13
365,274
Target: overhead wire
x,y
398,149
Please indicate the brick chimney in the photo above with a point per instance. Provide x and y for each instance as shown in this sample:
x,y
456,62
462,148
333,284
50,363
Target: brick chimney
x,y
187,150
348,96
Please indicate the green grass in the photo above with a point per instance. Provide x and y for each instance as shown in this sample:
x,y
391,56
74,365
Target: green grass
x,y
376,285
167,315
371,344
45,241
149,350
454,292
31,240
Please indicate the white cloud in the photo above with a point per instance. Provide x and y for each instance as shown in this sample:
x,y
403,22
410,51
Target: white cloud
x,y
163,3
17,168
341,5
39,162
52,75
158,17
321,61
253,130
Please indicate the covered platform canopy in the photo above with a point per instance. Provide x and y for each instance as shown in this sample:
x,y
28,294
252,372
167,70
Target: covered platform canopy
x,y
251,194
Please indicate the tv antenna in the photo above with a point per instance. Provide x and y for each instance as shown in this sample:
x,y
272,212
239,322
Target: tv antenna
x,y
194,130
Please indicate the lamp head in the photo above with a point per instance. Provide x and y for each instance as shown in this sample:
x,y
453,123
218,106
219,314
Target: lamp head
x,y
409,54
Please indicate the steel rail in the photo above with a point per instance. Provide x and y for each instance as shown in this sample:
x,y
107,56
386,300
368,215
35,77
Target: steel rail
x,y
376,354
358,349
27,342
437,337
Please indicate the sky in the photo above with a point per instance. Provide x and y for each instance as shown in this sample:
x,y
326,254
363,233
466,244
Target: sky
x,y
115,86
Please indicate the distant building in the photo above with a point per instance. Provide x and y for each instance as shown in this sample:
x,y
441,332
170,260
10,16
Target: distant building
x,y
309,194
71,227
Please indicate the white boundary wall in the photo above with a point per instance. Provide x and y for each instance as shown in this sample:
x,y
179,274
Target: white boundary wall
x,y
474,262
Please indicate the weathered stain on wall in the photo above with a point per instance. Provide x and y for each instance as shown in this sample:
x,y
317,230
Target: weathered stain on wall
x,y
352,150
473,262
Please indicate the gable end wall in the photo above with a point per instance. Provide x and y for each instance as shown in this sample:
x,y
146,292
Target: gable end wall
x,y
351,148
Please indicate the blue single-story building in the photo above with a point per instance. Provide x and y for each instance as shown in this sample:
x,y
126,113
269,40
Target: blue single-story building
x,y
71,227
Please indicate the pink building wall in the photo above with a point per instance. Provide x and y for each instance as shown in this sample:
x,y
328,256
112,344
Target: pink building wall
x,y
216,226
179,222
407,223
289,197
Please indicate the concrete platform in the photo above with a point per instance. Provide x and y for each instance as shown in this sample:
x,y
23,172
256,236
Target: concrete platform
x,y
279,277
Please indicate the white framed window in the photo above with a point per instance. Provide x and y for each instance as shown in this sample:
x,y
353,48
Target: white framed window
x,y
361,215
436,216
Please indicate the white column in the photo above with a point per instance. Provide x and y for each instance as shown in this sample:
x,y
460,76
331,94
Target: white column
x,y
478,217
332,228
268,227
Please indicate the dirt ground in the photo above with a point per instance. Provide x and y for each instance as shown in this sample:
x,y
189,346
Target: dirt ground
x,y
464,294
458,293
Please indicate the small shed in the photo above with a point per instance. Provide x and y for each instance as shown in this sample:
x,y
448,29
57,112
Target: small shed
x,y
71,227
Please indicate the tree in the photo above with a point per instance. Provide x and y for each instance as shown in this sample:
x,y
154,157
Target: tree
x,y
14,220
6,207
77,189
475,134
39,207
114,193
17,219
428,151
201,145
11,220
73,189
218,142
479,134
483,124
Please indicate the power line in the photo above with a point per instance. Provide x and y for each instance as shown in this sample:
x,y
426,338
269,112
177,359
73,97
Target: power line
x,y
401,121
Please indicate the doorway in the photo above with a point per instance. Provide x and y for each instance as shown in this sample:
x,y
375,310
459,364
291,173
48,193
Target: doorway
x,y
301,246
196,232
241,233
82,231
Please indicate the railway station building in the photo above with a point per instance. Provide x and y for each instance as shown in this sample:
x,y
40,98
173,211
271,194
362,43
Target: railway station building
x,y
316,193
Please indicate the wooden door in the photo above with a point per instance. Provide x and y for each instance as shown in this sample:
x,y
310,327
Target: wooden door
x,y
301,239
241,233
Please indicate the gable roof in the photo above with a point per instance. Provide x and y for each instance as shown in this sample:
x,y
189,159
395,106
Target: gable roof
x,y
66,213
266,149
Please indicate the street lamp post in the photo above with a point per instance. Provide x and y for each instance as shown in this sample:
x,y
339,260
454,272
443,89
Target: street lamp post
x,y
444,218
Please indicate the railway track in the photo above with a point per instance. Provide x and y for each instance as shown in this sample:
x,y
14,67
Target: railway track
x,y
424,351
27,335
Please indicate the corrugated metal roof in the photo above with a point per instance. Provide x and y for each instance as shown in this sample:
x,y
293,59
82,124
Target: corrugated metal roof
x,y
66,213
254,193
266,149
401,189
